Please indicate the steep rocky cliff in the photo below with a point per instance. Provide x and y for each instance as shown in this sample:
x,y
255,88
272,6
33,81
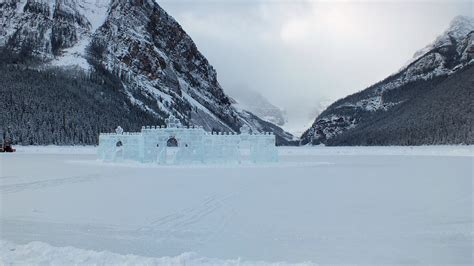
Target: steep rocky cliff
x,y
135,42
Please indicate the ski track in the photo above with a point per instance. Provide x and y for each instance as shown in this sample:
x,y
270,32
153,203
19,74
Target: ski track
x,y
37,185
181,220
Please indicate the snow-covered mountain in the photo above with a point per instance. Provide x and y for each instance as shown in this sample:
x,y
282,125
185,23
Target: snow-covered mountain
x,y
253,101
371,117
158,66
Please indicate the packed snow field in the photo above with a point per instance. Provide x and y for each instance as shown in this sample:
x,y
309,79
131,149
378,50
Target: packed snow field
x,y
393,205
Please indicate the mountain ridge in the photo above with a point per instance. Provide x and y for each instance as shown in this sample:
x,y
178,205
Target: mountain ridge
x,y
450,53
158,65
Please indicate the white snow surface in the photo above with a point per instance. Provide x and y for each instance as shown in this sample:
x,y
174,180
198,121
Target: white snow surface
x,y
38,253
358,205
74,56
95,11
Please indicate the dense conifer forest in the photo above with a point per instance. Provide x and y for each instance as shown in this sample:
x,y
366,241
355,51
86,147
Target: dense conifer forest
x,y
62,107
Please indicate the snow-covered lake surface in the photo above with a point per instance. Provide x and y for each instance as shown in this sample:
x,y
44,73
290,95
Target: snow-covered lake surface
x,y
392,205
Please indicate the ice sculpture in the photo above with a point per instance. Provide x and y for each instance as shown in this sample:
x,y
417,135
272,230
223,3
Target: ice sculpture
x,y
176,144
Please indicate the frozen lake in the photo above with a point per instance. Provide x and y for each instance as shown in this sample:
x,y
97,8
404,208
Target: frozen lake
x,y
321,205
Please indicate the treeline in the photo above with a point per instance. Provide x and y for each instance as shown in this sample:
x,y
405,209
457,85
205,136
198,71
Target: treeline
x,y
64,107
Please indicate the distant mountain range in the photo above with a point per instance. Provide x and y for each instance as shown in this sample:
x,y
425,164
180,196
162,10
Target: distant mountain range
x,y
248,99
73,68
429,101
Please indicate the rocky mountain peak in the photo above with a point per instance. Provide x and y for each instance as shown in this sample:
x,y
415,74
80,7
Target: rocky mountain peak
x,y
457,31
460,26
158,65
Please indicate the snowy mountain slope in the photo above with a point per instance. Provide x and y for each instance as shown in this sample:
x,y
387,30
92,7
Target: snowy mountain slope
x,y
158,64
447,56
256,103
459,28
43,27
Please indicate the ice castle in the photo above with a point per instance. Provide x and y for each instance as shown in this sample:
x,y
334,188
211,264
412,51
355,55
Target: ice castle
x,y
176,144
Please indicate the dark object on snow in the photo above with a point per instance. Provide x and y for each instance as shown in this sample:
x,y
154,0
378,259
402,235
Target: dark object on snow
x,y
6,146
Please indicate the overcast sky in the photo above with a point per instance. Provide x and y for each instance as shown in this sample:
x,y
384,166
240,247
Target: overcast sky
x,y
299,53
